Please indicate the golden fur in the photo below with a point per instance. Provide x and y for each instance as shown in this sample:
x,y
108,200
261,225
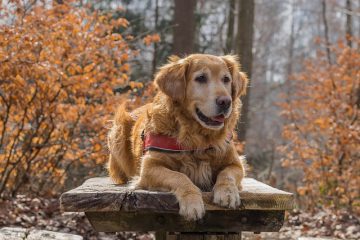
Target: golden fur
x,y
172,113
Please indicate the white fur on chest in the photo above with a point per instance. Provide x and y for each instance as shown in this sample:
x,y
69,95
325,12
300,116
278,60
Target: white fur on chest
x,y
200,173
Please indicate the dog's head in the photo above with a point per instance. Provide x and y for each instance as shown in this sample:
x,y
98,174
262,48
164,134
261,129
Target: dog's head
x,y
205,85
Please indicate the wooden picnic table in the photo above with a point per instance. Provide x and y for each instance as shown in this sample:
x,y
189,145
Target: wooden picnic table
x,y
114,208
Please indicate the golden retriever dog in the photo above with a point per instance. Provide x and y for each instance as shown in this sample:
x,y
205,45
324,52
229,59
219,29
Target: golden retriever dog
x,y
197,107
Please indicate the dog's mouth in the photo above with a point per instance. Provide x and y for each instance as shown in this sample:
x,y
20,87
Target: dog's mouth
x,y
214,121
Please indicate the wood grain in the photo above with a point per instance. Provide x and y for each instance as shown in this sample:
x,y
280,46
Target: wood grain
x,y
213,222
102,195
113,208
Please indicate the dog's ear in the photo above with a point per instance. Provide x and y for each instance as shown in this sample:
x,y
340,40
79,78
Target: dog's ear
x,y
240,79
171,78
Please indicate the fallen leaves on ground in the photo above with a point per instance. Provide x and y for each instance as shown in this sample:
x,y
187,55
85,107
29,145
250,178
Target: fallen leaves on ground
x,y
44,213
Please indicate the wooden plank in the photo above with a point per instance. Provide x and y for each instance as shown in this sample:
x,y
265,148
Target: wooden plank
x,y
102,195
213,222
191,237
204,236
160,235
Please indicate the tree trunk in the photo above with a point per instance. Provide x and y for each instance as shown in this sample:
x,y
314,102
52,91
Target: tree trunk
x,y
326,31
244,50
154,62
184,29
230,29
348,23
291,43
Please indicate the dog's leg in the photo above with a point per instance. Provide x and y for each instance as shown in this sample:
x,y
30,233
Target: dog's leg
x,y
228,184
155,176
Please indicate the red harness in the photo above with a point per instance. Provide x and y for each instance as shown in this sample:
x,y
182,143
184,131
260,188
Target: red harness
x,y
163,143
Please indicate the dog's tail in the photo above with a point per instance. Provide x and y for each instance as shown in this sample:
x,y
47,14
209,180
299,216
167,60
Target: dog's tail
x,y
122,114
121,164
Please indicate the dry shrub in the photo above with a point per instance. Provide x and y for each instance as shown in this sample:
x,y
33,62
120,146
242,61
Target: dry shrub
x,y
59,66
323,130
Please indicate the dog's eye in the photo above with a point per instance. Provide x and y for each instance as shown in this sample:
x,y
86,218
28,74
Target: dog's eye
x,y
201,79
226,79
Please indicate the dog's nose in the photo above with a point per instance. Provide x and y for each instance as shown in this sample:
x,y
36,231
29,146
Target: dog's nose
x,y
223,102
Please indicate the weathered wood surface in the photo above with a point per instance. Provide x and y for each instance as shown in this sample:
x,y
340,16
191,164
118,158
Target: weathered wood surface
x,y
197,236
113,208
102,195
213,221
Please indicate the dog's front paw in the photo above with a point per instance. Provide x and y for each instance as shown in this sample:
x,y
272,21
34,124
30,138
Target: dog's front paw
x,y
227,195
192,207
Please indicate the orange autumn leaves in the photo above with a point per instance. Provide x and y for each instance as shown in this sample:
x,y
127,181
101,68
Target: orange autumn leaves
x,y
323,129
149,39
59,66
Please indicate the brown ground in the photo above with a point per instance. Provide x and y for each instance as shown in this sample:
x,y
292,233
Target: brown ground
x,y
44,213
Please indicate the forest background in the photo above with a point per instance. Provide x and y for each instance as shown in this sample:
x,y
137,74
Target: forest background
x,y
66,65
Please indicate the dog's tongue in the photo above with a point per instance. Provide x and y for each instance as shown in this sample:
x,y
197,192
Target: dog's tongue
x,y
219,118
